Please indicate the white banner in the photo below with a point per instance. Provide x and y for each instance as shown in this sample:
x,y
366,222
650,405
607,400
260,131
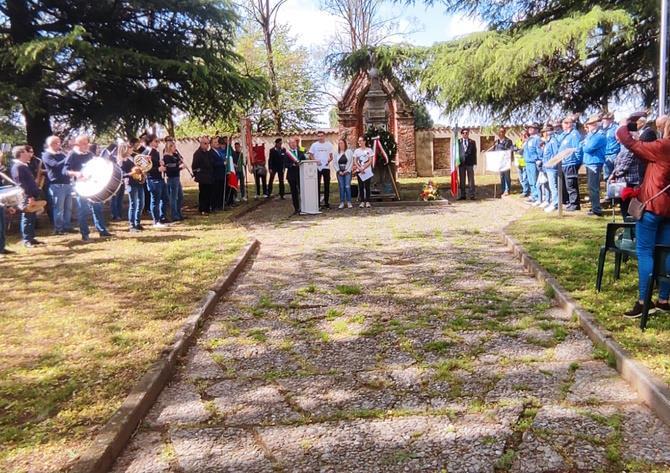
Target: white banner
x,y
498,161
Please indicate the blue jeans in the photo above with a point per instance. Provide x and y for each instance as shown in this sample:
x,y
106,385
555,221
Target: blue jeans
x,y
523,180
28,225
531,174
651,230
593,175
2,228
158,192
135,205
344,184
506,181
61,197
552,176
608,167
117,203
175,196
84,209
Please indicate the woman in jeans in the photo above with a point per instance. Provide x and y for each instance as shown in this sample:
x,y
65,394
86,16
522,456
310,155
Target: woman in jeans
x,y
134,185
344,164
363,157
173,166
654,227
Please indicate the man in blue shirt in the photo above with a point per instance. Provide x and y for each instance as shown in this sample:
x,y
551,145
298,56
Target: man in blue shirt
x,y
23,176
532,153
592,150
549,151
571,163
612,147
59,186
73,166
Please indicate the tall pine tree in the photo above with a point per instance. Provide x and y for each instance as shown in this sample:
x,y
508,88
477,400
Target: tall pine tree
x,y
119,62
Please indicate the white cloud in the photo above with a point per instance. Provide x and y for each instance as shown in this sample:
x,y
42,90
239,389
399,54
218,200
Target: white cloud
x,y
311,26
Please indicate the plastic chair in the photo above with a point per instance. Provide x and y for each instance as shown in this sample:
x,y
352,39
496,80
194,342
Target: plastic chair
x,y
661,274
620,239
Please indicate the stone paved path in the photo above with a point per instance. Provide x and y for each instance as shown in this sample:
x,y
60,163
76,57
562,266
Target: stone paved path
x,y
393,340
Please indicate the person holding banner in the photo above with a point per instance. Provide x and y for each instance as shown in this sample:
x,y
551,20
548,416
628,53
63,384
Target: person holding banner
x,y
502,143
466,169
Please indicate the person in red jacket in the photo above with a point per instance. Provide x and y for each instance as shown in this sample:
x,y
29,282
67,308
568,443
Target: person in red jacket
x,y
654,227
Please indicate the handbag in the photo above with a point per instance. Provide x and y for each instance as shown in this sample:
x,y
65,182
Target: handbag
x,y
636,207
542,179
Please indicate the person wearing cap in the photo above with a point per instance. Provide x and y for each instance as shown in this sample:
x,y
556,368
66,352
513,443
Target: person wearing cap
x,y
613,147
549,151
532,154
521,164
592,150
571,163
502,143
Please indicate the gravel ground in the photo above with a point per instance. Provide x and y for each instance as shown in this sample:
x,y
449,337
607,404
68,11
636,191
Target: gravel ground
x,y
391,339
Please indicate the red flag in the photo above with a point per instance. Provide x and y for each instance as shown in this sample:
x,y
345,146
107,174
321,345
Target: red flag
x,y
232,181
455,162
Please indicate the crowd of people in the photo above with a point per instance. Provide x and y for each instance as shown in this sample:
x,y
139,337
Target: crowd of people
x,y
158,180
635,154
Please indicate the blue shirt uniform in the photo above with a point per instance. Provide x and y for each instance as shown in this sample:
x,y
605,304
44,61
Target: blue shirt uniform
x,y
613,146
592,148
23,176
54,163
570,140
75,161
220,164
531,150
550,150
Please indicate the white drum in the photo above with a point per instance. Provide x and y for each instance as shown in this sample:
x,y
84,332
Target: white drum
x,y
12,196
102,179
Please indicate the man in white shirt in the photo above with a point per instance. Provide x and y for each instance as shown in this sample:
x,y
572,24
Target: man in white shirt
x,y
323,153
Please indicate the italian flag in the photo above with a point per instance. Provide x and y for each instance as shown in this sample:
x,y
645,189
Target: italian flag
x,y
455,161
231,175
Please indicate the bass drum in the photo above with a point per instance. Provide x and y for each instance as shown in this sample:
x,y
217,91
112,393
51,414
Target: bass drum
x,y
102,180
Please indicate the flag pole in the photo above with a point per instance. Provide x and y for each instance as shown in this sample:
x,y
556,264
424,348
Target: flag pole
x,y
663,60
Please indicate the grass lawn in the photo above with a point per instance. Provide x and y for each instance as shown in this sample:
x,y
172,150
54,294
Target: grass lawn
x,y
79,323
568,249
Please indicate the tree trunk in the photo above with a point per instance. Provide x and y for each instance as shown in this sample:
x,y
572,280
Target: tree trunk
x,y
274,89
38,129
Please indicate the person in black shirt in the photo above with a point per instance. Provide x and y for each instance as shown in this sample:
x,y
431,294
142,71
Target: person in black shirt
x,y
23,176
60,188
293,157
203,173
133,181
173,165
74,163
155,182
276,164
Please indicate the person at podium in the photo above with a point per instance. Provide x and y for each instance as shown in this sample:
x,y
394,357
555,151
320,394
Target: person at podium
x,y
292,163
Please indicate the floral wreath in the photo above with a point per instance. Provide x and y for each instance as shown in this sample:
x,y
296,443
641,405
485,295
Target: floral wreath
x,y
386,140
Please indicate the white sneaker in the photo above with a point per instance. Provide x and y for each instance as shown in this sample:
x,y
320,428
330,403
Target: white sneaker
x,y
245,199
550,209
159,225
322,199
362,205
256,197
538,203
341,206
367,204
349,205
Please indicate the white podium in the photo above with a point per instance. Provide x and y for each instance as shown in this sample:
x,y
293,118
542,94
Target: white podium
x,y
309,187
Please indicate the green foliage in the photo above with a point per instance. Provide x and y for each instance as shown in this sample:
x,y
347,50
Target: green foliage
x,y
422,118
386,139
109,64
299,99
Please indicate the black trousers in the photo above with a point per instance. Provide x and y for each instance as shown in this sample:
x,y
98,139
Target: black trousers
x,y
364,186
571,174
293,176
205,197
230,196
261,179
280,175
217,194
325,175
